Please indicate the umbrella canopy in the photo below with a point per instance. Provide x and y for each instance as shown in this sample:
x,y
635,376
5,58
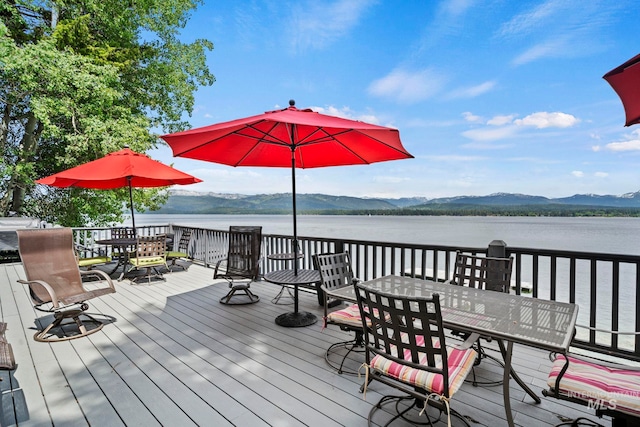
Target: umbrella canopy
x,y
625,80
290,138
124,168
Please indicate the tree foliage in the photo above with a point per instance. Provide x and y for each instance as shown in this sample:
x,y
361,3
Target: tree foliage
x,y
80,79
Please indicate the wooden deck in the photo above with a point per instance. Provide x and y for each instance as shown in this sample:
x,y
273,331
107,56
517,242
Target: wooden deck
x,y
173,355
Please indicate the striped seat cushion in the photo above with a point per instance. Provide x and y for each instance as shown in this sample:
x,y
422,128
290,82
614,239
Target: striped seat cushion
x,y
460,363
601,387
348,316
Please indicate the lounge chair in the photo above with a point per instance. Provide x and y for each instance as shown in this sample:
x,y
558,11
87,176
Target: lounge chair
x,y
242,264
609,386
55,283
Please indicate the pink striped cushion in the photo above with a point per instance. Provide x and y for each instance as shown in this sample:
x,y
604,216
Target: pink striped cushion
x,y
460,364
349,315
615,388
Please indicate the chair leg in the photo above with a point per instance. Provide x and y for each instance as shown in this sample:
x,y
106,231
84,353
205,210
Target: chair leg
x,y
355,345
415,404
247,298
59,329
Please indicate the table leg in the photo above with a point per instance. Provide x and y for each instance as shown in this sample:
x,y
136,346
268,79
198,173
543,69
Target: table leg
x,y
517,378
505,383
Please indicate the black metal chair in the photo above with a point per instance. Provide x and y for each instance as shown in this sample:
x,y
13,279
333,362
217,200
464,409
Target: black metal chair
x,y
406,349
489,273
180,251
242,264
335,273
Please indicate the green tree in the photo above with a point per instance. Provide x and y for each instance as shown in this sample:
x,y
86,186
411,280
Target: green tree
x,y
80,79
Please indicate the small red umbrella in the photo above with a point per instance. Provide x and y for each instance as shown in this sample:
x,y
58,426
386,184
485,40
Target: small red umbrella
x,y
625,80
124,168
290,138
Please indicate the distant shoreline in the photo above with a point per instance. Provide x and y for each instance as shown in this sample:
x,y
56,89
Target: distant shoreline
x,y
439,210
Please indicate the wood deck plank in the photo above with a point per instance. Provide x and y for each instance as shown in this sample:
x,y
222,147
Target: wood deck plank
x,y
176,356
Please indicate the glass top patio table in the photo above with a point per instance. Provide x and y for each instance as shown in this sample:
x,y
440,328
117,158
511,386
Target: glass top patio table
x,y
548,325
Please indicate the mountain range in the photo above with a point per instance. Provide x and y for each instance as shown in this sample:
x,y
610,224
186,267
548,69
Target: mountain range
x,y
190,202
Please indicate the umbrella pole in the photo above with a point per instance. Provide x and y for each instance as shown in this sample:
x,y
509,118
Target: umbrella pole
x,y
295,224
133,218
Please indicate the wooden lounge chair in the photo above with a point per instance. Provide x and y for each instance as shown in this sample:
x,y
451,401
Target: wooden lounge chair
x,y
181,252
151,253
55,283
242,264
406,349
335,273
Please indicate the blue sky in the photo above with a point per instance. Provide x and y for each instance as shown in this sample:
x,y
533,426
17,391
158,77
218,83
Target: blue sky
x,y
489,96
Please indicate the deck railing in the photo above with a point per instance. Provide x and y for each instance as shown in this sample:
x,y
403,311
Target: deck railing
x,y
605,286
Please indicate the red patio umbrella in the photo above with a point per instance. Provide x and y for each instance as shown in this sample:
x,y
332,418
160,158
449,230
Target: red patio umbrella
x,y
625,80
290,138
124,168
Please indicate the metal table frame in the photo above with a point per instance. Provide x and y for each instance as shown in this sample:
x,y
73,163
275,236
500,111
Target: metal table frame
x,y
285,257
295,318
548,325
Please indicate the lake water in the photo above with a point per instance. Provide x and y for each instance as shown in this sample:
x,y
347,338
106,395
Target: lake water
x,y
609,235
606,235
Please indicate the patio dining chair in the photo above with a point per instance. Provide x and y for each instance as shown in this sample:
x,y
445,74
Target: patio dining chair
x,y
123,233
181,251
406,349
150,254
90,262
335,273
488,273
56,286
241,266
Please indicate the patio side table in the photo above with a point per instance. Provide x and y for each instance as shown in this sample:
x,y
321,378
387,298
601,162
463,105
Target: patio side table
x,y
285,257
304,277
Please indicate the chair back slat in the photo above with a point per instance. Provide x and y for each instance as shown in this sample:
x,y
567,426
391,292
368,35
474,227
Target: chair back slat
x,y
405,329
335,270
243,257
185,238
151,246
488,273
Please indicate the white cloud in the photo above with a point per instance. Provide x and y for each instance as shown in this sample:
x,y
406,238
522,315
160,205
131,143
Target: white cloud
x,y
348,113
501,120
577,174
543,120
596,148
408,86
473,91
632,143
601,174
317,25
525,22
490,134
470,117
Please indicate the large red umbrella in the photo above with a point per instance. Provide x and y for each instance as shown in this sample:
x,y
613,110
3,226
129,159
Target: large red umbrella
x,y
290,138
625,80
124,168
